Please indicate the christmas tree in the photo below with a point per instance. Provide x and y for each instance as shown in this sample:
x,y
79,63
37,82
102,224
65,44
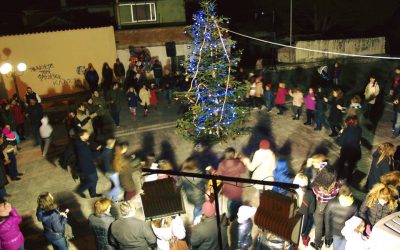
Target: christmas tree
x,y
213,96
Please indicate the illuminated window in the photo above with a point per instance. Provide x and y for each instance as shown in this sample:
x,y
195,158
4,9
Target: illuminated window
x,y
137,12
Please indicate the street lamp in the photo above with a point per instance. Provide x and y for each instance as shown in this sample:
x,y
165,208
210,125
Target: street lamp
x,y
7,69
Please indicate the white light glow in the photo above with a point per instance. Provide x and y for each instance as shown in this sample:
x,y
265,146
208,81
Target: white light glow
x,y
21,67
5,68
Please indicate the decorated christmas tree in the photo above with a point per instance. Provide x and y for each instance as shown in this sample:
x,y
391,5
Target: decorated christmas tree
x,y
213,97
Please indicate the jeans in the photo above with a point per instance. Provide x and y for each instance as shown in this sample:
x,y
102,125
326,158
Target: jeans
x,y
88,182
197,212
12,167
281,108
339,243
3,194
296,111
116,188
168,95
396,131
60,244
115,116
46,142
319,222
310,116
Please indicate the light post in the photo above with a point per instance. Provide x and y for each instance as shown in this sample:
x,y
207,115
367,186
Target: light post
x,y
7,69
291,28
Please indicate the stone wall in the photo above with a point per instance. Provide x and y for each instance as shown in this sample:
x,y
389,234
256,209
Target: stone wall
x,y
361,46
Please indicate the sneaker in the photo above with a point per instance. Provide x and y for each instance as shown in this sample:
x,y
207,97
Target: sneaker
x,y
315,246
20,174
16,179
306,241
328,242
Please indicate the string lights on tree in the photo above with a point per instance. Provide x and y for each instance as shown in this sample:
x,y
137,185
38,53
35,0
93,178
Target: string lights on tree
x,y
213,96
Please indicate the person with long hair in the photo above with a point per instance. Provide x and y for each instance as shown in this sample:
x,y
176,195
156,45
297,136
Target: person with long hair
x,y
92,78
370,93
380,202
350,149
382,163
53,221
336,115
107,74
11,237
100,222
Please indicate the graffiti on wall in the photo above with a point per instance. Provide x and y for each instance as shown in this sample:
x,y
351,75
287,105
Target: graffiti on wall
x,y
45,72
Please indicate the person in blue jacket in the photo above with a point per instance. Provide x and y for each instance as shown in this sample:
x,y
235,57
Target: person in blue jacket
x,y
282,174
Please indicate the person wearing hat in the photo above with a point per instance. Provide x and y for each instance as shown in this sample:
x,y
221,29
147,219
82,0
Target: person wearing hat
x,y
205,234
129,232
240,229
263,164
11,237
325,187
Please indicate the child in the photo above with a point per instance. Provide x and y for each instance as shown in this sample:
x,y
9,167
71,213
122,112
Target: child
x,y
320,108
252,91
297,102
353,233
46,131
153,95
268,97
133,100
144,96
281,98
310,106
9,151
258,92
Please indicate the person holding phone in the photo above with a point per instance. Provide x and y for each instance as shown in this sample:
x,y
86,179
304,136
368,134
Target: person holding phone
x,y
53,221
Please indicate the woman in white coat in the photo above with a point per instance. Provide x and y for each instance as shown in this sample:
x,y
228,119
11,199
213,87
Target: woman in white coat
x,y
166,228
263,164
144,95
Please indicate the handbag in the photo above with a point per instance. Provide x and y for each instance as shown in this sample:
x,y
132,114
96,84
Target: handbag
x,y
177,244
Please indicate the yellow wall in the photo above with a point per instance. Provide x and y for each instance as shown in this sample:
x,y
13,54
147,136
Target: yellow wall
x,y
52,58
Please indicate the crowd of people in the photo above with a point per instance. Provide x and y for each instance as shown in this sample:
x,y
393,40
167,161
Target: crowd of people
x,y
324,196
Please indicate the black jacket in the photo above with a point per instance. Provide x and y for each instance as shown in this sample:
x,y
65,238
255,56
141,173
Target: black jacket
x,y
119,69
35,114
373,214
335,217
101,227
350,138
85,157
336,115
307,209
53,223
377,169
241,234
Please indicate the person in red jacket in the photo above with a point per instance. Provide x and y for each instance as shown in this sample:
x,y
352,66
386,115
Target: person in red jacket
x,y
231,196
11,237
280,98
16,111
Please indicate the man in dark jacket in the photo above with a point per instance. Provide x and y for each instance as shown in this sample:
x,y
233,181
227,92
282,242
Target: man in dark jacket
x,y
168,83
35,114
338,211
31,95
119,71
92,78
158,74
86,165
114,98
129,232
205,234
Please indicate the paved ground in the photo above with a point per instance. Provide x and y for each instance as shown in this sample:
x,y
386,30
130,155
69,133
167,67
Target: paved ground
x,y
156,133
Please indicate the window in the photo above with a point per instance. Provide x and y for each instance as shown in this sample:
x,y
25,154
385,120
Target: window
x,y
137,12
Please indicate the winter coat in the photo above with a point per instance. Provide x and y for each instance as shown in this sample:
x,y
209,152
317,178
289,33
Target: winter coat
x,y
377,169
32,95
132,233
259,89
85,121
11,237
168,82
16,111
307,209
373,214
45,129
92,77
268,97
262,166
107,74
281,96
85,157
101,226
320,104
336,115
297,98
205,235
153,97
194,189
164,234
35,114
232,168
350,138
157,70
8,118
53,223
100,105
241,234
336,215
371,92
130,176
281,174
310,101
115,97
106,157
119,69
133,99
144,95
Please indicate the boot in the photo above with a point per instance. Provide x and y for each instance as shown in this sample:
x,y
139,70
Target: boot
x,y
146,111
328,242
316,246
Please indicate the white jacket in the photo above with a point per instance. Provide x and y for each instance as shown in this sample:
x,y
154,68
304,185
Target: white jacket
x,y
371,92
263,165
164,234
46,129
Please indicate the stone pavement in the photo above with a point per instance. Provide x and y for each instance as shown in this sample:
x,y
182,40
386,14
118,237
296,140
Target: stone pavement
x,y
156,133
